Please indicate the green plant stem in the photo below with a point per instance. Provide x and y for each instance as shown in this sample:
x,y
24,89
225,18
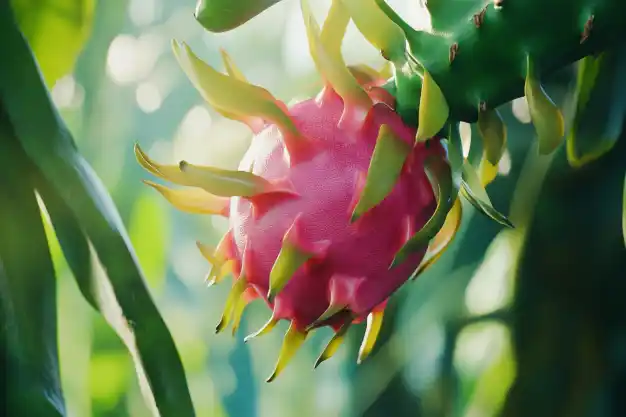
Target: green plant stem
x,y
489,62
569,321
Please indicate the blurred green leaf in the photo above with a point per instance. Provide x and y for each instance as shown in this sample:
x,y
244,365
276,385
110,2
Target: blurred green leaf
x,y
624,212
475,193
150,242
600,106
28,334
225,15
491,387
109,374
82,211
56,31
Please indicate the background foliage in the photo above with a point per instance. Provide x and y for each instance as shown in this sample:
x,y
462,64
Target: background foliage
x,y
484,319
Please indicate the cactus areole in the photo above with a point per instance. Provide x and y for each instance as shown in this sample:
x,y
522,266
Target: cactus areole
x,y
342,198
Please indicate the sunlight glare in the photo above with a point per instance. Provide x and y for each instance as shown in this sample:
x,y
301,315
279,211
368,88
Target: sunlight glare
x,y
490,287
478,345
67,93
131,59
148,97
143,12
520,109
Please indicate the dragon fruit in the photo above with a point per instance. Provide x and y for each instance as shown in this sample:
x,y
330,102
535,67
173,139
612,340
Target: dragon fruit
x,y
335,205
344,197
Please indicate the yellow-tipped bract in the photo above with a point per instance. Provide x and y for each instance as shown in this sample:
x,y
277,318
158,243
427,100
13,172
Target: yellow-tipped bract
x,y
377,28
545,115
486,171
327,57
475,193
290,258
226,183
291,343
193,200
374,324
231,68
387,161
493,132
232,97
433,111
266,328
443,238
334,343
220,266
216,181
237,313
232,301
446,186
332,310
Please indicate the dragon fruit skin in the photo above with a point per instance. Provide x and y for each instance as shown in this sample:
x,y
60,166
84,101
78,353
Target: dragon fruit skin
x,y
352,259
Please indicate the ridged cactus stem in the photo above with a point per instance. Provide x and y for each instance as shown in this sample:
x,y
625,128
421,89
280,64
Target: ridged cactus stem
x,y
483,57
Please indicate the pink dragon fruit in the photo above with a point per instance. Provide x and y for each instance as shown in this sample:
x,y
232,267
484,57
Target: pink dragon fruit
x,y
330,190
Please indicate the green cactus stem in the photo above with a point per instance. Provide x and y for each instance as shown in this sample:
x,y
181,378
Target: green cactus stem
x,y
482,58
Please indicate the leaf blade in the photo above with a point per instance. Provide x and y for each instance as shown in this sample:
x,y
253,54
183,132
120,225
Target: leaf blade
x,y
600,107
28,336
55,22
88,207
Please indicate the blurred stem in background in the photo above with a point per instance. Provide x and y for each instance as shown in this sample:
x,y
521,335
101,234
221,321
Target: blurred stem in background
x,y
569,322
